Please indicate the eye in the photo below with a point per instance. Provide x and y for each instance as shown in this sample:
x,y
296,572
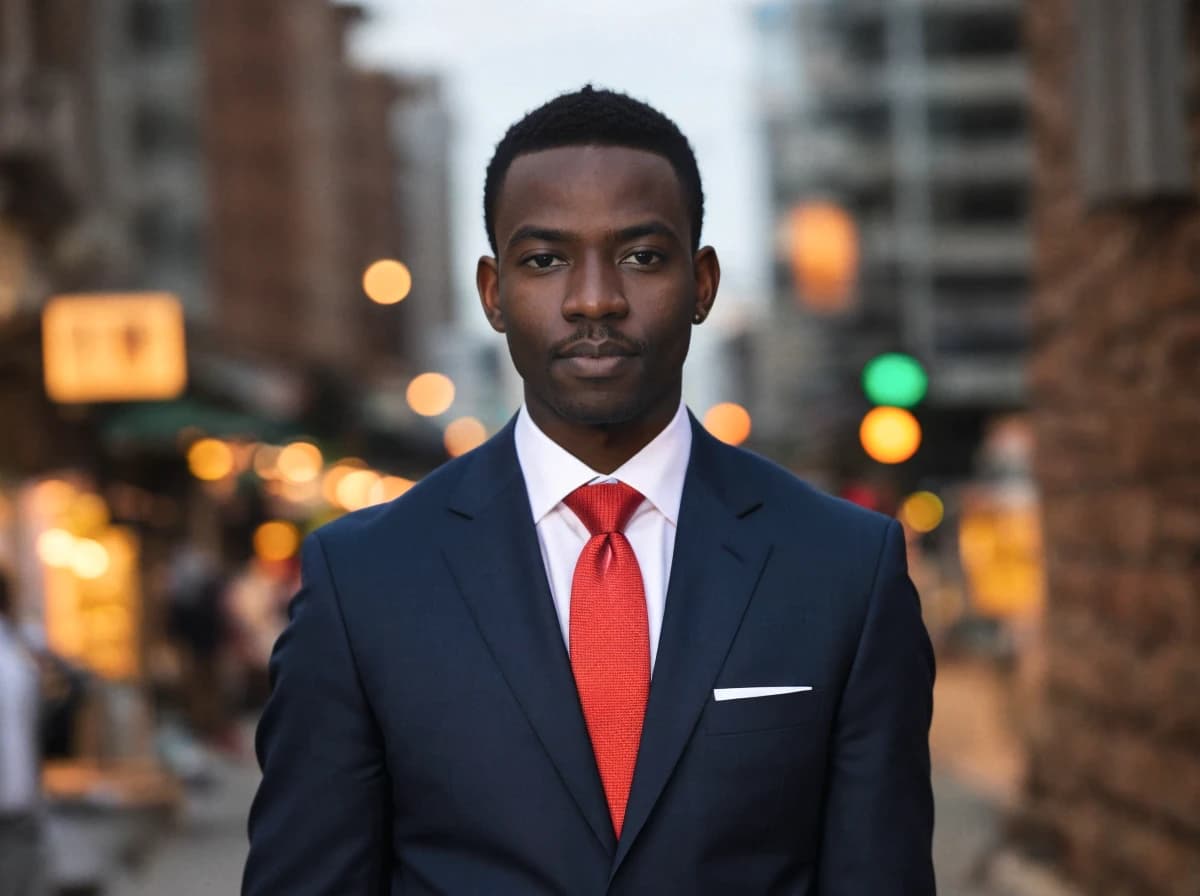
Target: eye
x,y
644,258
542,260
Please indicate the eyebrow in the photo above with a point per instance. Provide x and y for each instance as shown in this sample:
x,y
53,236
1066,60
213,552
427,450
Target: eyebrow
x,y
541,234
550,235
649,228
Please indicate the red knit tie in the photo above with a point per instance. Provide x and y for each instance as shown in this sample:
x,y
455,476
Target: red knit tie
x,y
610,639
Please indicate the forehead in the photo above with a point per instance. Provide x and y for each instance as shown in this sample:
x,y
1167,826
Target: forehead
x,y
598,184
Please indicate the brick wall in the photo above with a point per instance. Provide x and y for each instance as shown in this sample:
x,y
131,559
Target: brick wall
x,y
1114,787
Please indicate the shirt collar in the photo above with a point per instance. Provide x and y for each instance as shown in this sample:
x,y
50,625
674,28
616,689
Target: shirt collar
x,y
657,471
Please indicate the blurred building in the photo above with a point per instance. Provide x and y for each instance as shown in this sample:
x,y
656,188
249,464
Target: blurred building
x,y
1113,796
49,168
910,118
236,156
421,135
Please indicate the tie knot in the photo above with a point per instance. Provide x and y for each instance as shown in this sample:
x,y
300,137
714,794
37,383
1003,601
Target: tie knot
x,y
605,507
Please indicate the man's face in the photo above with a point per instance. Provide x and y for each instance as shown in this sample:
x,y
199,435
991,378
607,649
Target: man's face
x,y
595,286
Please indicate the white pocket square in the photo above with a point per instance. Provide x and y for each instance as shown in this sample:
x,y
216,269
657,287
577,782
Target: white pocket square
x,y
746,693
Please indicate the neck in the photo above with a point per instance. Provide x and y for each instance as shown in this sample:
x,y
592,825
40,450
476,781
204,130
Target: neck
x,y
604,447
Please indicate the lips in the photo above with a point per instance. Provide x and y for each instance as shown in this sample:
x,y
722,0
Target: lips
x,y
595,360
588,349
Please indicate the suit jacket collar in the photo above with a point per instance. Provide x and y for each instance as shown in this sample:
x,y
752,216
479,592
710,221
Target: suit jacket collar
x,y
493,556
711,464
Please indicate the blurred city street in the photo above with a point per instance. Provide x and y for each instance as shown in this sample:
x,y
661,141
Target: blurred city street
x,y
202,853
240,284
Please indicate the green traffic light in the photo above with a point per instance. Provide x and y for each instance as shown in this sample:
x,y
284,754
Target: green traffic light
x,y
895,379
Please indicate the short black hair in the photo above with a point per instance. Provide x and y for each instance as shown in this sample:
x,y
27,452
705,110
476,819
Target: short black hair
x,y
591,117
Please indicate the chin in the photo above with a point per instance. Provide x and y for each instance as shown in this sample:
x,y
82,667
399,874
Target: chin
x,y
601,412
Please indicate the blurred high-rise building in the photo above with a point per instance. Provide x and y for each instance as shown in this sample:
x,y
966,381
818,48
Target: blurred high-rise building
x,y
233,154
910,117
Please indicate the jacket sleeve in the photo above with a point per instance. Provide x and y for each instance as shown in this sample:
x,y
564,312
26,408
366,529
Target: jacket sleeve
x,y
319,822
878,824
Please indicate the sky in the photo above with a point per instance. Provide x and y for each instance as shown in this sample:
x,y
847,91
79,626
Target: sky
x,y
693,59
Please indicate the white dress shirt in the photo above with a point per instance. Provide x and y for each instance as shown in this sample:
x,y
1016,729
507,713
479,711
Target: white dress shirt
x,y
657,471
19,762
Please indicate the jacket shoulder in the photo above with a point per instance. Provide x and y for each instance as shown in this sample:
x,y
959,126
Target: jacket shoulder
x,y
786,493
411,512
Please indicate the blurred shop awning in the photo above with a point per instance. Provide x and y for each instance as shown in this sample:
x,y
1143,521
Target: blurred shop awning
x,y
158,424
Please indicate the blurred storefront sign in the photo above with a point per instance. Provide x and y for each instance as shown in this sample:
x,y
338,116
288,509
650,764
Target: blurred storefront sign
x,y
114,347
93,606
1000,545
92,603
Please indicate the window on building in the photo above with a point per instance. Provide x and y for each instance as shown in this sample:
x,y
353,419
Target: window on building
x,y
158,24
978,36
976,122
1131,79
160,129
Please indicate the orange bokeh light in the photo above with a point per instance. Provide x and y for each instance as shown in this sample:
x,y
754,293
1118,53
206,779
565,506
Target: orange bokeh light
x,y
210,459
728,422
430,394
300,462
276,540
890,435
388,489
464,434
387,281
823,250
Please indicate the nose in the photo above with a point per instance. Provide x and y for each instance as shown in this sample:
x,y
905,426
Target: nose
x,y
595,290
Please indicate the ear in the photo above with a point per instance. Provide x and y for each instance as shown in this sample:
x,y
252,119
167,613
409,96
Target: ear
x,y
487,282
706,269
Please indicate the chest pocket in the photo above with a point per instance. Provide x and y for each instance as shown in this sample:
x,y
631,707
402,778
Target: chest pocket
x,y
762,713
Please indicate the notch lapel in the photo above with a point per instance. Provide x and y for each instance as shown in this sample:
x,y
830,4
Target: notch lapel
x,y
714,571
495,560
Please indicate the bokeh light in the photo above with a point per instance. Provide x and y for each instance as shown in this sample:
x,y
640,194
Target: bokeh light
x,y
300,462
51,496
890,435
334,475
728,422
463,435
922,511
210,459
895,379
389,488
276,540
430,394
387,281
89,559
55,547
823,249
266,461
354,489
88,513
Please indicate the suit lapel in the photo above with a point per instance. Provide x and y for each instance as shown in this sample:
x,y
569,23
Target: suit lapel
x,y
494,558
714,571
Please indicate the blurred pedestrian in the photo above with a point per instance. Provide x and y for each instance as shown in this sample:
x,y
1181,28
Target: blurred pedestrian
x,y
256,605
463,693
22,855
197,626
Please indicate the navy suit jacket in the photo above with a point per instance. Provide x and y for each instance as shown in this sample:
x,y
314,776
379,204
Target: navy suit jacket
x,y
424,736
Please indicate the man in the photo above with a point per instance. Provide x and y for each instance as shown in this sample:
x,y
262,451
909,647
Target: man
x,y
21,853
603,653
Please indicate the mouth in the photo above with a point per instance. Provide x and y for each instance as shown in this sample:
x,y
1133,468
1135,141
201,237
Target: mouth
x,y
595,360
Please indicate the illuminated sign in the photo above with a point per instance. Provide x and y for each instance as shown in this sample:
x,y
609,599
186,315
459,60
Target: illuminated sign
x,y
114,347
